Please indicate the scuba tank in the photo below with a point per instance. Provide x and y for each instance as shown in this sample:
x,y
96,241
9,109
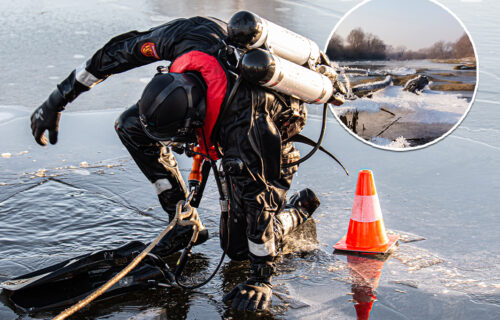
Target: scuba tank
x,y
290,64
250,31
261,67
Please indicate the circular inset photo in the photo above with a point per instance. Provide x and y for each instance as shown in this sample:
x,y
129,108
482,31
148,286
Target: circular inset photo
x,y
410,69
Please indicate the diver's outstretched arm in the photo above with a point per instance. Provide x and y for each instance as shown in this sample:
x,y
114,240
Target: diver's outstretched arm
x,y
122,53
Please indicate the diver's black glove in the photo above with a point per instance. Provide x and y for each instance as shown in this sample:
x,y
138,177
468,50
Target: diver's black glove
x,y
250,295
255,293
46,117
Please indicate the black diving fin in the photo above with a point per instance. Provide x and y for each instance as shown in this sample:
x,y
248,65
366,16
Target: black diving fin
x,y
70,281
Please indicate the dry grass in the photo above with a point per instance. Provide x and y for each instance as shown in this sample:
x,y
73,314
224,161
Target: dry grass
x,y
468,66
443,74
453,87
468,60
402,80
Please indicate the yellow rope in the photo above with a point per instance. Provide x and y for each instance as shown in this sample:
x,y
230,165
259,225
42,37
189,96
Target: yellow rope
x,y
179,215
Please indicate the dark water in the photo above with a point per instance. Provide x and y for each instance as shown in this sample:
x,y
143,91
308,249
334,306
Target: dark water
x,y
444,193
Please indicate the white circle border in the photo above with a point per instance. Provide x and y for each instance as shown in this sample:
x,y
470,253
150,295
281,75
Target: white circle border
x,y
447,133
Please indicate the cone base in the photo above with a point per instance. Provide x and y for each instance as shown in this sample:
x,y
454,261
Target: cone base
x,y
343,246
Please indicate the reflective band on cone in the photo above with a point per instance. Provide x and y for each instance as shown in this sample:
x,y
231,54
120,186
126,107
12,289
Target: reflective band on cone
x,y
366,231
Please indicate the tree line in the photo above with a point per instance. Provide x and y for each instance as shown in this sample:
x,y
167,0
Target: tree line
x,y
360,45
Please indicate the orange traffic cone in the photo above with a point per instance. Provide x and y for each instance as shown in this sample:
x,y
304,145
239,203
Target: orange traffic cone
x,y
366,232
365,275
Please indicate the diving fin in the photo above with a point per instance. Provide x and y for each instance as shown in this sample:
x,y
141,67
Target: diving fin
x,y
68,282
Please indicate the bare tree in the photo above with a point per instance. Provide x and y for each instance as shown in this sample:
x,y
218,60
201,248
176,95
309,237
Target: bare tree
x,y
463,47
356,39
377,47
360,45
336,50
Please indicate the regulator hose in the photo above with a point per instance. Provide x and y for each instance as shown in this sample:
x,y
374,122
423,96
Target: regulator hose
x,y
224,211
318,143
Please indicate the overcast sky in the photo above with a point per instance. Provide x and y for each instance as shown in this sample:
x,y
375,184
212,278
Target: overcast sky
x,y
414,24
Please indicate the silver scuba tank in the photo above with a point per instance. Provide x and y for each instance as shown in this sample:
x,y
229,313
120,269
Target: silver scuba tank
x,y
251,31
266,69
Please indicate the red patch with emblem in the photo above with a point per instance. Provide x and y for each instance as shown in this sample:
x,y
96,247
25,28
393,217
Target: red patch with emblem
x,y
149,50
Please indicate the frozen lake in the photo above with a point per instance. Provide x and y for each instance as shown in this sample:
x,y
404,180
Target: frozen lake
x,y
85,194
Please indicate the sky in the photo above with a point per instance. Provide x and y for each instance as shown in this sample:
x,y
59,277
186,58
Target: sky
x,y
414,24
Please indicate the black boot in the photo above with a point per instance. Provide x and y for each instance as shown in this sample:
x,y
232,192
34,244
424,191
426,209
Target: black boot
x,y
306,201
301,206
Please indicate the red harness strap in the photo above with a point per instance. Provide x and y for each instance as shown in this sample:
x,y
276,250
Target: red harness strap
x,y
216,81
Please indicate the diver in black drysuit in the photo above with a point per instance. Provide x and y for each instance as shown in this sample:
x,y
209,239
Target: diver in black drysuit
x,y
251,136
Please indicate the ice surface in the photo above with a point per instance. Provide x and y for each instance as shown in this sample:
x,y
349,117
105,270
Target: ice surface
x,y
4,116
427,107
397,71
10,112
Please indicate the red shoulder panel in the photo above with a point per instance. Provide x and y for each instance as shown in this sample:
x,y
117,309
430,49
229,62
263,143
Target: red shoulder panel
x,y
216,81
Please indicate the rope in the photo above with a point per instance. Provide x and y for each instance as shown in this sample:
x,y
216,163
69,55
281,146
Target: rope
x,y
179,215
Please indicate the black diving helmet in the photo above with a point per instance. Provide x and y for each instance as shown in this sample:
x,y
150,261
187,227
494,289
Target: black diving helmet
x,y
172,106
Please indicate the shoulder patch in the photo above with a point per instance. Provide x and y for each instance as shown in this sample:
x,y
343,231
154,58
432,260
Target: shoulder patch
x,y
149,50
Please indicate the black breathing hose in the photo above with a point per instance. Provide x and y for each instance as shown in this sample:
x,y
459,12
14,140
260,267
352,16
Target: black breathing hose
x,y
317,145
223,198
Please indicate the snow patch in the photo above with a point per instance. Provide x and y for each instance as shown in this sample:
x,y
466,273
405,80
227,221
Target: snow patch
x,y
427,107
397,71
398,143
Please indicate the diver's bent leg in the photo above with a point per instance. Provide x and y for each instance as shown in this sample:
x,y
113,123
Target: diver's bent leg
x,y
233,236
146,152
164,175
301,206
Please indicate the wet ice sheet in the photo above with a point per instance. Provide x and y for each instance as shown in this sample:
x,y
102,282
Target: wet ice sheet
x,y
444,193
66,219
112,202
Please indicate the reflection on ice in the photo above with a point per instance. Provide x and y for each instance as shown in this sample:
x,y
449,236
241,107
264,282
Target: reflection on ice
x,y
365,273
4,116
